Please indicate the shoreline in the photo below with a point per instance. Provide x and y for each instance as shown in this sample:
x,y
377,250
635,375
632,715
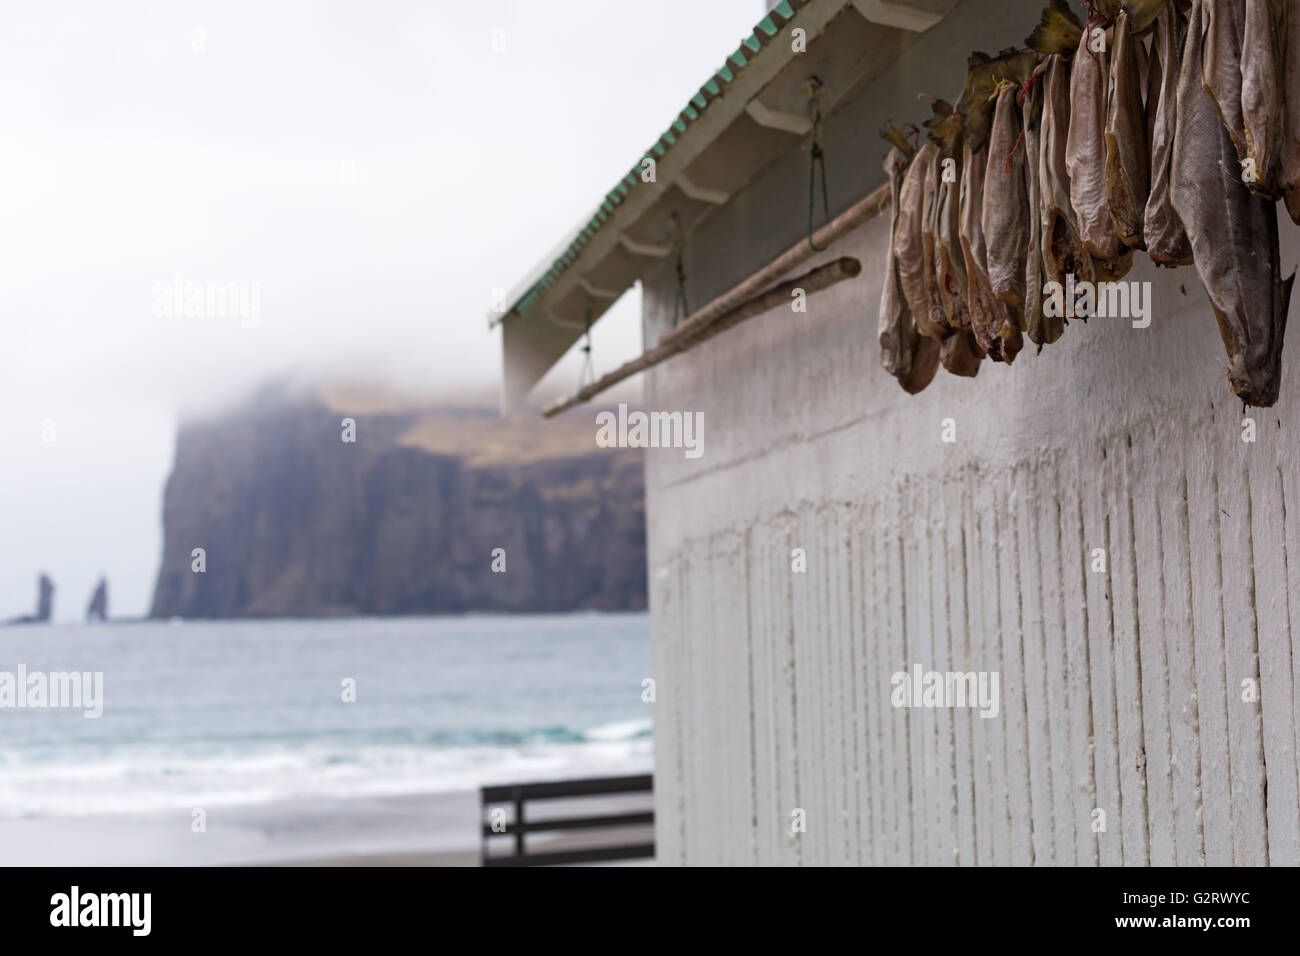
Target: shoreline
x,y
441,826
408,830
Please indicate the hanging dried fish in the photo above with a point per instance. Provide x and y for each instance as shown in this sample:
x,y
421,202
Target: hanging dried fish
x,y
1006,213
960,354
1005,216
1166,239
950,270
906,354
1263,92
1128,159
1085,150
1041,329
1062,248
994,323
909,240
1224,32
979,296
1290,160
895,331
1151,83
937,325
1233,233
974,110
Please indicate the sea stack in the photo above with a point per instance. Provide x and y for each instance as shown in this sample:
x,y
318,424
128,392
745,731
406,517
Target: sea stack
x,y
44,599
97,610
44,603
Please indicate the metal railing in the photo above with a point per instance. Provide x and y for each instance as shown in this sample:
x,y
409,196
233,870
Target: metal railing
x,y
518,795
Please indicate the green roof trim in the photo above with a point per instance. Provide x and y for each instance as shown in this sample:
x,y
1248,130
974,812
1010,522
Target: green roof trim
x,y
763,33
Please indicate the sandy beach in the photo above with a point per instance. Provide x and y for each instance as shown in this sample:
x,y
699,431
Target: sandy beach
x,y
433,829
414,830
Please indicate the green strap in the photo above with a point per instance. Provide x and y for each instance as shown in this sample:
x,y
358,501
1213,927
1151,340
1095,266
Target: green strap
x,y
588,374
817,157
679,306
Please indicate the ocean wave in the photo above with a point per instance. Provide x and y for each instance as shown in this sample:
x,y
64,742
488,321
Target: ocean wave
x,y
622,730
247,712
139,779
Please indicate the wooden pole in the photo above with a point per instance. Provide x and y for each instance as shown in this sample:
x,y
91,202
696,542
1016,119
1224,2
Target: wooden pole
x,y
823,277
692,329
864,211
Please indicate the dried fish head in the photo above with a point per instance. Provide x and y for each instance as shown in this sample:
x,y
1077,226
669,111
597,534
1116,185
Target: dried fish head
x,y
893,134
974,106
1142,13
1059,31
945,128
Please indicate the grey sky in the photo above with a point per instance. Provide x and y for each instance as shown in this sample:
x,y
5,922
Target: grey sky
x,y
374,166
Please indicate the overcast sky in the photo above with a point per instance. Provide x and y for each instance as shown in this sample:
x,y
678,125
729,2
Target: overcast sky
x,y
376,168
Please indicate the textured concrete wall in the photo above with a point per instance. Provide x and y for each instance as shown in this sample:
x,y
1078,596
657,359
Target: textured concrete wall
x,y
1119,690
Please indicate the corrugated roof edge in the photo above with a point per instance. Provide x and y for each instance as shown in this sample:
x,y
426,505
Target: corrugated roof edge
x,y
763,33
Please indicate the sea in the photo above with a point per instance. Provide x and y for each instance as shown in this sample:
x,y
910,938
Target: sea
x,y
216,714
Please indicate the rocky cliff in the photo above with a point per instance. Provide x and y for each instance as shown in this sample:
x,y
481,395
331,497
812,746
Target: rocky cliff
x,y
293,519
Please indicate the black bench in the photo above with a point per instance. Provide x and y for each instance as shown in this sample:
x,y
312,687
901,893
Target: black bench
x,y
516,795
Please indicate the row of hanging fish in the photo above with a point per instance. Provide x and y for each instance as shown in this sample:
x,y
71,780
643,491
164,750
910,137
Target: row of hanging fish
x,y
1165,126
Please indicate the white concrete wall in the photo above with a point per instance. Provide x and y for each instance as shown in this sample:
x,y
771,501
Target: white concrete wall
x,y
1120,691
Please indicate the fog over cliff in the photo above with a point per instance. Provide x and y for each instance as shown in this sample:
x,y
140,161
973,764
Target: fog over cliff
x,y
378,178
293,519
